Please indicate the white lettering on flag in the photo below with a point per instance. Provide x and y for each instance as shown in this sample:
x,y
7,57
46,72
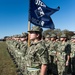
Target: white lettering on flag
x,y
42,23
38,2
41,12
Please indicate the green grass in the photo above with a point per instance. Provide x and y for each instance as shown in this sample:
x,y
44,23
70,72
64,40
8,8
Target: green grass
x,y
7,66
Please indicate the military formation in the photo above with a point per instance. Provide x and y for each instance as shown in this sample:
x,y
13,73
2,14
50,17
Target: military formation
x,y
45,56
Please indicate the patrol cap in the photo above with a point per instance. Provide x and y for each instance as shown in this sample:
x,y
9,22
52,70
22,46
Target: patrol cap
x,y
36,29
24,35
63,36
47,36
53,36
73,37
19,35
15,36
10,36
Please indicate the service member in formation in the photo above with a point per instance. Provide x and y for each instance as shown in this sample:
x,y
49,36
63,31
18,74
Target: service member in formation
x,y
47,40
52,50
23,50
37,54
63,55
72,55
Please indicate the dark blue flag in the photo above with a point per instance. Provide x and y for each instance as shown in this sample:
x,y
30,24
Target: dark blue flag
x,y
39,14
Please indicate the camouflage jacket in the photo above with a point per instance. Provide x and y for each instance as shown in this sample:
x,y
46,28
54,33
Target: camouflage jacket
x,y
63,50
72,50
36,55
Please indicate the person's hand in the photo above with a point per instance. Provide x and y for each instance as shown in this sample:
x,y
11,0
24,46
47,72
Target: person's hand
x,y
67,63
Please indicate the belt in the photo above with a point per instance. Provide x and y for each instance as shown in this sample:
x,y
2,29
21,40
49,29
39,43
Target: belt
x,y
32,69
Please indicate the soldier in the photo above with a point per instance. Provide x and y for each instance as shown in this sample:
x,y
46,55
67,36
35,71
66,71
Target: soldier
x,y
52,48
63,55
47,40
23,43
23,49
47,37
36,57
72,55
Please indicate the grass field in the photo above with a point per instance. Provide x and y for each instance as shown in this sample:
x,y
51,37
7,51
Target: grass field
x,y
7,66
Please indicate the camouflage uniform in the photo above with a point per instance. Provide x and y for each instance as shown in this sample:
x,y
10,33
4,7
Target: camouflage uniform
x,y
47,41
62,52
23,50
36,56
52,48
72,55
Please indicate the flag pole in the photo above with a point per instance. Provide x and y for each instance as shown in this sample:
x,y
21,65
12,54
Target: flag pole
x,y
29,27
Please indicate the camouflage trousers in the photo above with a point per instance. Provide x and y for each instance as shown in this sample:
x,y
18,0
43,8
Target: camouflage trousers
x,y
61,67
33,71
23,66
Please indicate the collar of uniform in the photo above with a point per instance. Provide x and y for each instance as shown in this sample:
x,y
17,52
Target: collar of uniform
x,y
73,43
35,43
53,41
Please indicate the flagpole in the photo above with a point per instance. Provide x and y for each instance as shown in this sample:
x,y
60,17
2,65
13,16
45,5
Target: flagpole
x,y
29,27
